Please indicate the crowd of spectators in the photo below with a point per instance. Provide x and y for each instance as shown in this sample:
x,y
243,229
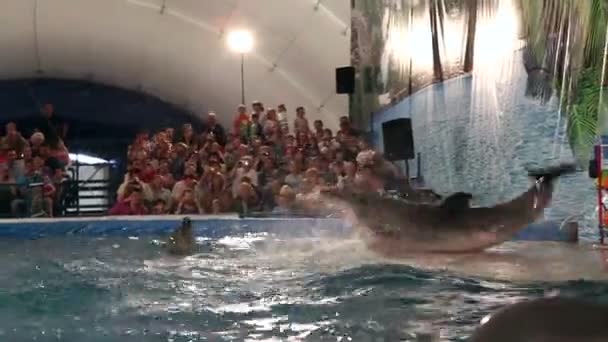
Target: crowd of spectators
x,y
261,163
33,169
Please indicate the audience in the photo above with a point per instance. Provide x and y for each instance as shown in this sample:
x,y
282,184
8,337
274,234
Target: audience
x,y
32,171
262,163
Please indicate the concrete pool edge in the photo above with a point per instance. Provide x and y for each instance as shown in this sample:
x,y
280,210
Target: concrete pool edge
x,y
223,225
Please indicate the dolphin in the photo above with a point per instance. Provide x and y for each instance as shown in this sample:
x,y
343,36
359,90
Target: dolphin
x,y
548,319
397,226
182,242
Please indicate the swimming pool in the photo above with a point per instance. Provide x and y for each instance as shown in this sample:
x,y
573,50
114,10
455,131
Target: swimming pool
x,y
276,285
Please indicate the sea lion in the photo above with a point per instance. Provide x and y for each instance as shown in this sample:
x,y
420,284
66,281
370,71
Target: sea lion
x,y
182,241
398,226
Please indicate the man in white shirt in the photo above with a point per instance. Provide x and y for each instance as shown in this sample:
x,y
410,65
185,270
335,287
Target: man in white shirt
x,y
244,169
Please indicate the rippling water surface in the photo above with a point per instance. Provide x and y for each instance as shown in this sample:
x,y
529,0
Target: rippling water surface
x,y
269,288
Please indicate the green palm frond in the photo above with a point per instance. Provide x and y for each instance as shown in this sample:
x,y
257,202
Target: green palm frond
x,y
596,37
581,25
582,132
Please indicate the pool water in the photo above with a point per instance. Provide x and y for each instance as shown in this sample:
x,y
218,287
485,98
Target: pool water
x,y
261,287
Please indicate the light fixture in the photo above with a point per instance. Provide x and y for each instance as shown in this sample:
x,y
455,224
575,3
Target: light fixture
x,y
240,41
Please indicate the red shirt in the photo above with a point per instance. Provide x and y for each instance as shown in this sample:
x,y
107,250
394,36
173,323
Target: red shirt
x,y
238,122
123,208
147,176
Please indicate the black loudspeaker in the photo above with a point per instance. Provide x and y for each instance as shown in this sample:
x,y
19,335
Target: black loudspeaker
x,y
345,80
398,139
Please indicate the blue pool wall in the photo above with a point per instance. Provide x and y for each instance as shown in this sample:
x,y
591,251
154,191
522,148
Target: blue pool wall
x,y
215,227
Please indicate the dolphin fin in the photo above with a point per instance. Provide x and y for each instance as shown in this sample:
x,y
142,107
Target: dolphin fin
x,y
457,201
552,172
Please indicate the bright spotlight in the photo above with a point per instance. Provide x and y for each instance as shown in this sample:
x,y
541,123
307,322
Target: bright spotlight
x,y
240,41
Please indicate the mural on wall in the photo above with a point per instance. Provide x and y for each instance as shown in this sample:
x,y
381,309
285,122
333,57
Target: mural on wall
x,y
402,46
491,86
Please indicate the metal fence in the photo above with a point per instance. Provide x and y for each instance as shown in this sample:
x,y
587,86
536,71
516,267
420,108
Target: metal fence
x,y
75,196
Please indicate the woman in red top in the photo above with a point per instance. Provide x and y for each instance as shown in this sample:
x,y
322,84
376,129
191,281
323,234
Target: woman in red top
x,y
131,205
241,122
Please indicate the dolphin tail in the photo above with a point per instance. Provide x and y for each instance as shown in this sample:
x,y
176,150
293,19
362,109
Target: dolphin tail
x,y
548,174
545,179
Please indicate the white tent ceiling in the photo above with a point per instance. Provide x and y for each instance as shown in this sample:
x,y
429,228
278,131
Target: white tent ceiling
x,y
176,50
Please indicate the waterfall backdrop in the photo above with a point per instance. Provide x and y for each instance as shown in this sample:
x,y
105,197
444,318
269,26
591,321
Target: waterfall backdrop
x,y
491,86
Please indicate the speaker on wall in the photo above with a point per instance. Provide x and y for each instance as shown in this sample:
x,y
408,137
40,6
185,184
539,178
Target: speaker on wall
x,y
345,80
398,139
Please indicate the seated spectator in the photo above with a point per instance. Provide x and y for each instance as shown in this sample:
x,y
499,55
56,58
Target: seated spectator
x,y
346,128
27,153
312,181
187,183
142,141
179,156
294,177
132,177
210,190
246,199
322,167
36,141
187,204
213,165
290,141
157,191
159,207
286,200
170,133
245,168
267,169
148,172
215,130
132,204
188,137
269,195
347,180
216,207
16,166
23,193
165,173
